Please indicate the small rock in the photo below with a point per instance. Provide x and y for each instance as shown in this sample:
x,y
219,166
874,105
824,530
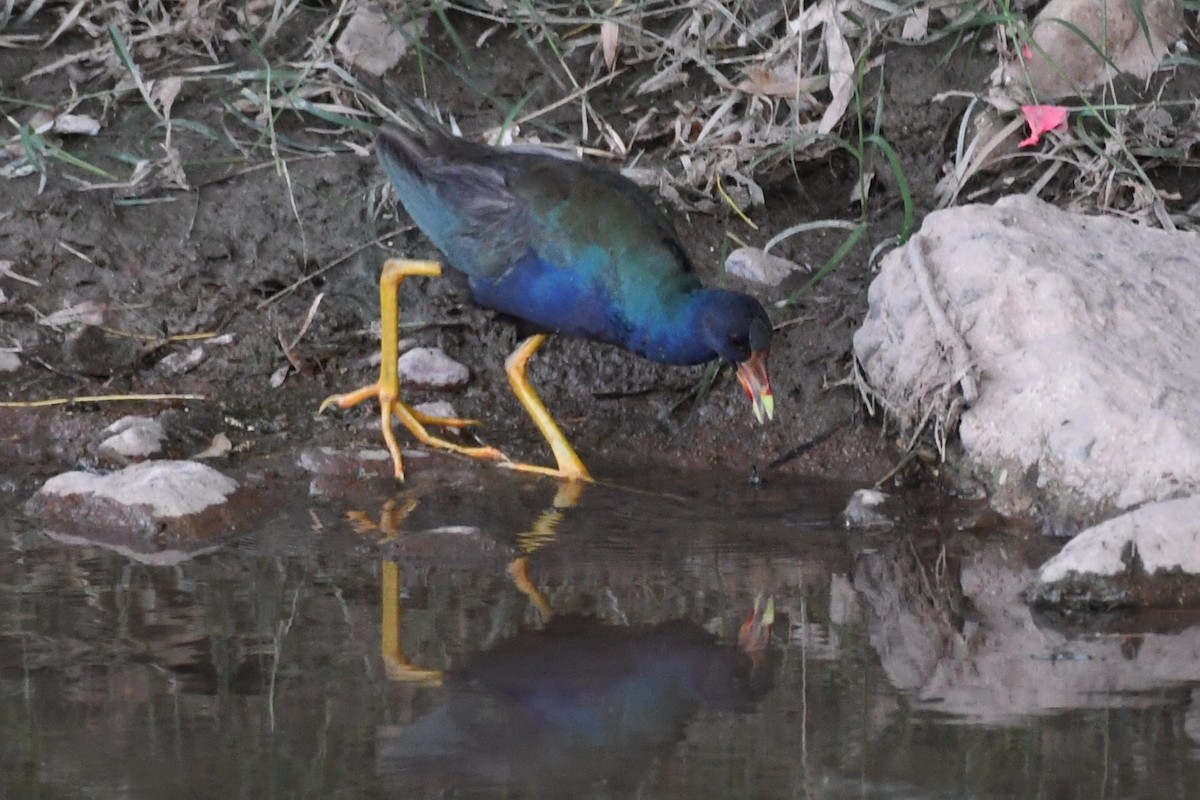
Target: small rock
x,y
132,437
438,408
76,124
752,264
336,473
141,506
331,462
179,363
9,361
866,510
1147,557
431,368
279,376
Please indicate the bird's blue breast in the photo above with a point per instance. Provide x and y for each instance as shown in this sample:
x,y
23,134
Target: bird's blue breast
x,y
567,299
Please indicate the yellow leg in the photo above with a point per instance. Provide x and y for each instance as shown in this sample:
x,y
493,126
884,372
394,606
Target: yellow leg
x,y
545,529
569,465
518,570
387,388
397,665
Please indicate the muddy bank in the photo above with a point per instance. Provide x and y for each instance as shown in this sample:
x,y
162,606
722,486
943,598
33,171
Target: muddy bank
x,y
211,260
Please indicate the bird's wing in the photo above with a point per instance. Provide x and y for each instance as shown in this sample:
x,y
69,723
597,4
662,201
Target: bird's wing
x,y
595,221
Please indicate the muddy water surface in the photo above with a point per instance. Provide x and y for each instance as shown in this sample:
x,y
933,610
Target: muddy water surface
x,y
379,642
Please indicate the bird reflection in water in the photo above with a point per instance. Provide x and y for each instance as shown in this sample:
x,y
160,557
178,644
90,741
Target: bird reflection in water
x,y
572,703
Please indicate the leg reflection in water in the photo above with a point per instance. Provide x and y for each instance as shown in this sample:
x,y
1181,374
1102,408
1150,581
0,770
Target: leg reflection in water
x,y
542,533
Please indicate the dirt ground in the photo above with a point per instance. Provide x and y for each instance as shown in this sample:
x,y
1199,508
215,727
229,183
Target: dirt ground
x,y
213,258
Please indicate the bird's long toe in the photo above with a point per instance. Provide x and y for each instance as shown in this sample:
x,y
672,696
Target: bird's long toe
x,y
349,399
415,421
566,472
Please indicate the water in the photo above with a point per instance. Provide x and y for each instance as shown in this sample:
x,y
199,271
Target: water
x,y
393,653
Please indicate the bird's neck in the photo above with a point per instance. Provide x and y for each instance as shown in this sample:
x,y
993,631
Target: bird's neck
x,y
676,335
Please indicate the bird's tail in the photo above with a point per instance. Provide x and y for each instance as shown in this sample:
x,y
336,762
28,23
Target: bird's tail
x,y
412,140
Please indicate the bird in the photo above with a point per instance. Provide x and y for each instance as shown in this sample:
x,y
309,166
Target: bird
x,y
565,247
575,704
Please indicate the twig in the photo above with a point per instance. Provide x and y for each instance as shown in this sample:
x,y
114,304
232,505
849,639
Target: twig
x,y
296,285
102,398
960,354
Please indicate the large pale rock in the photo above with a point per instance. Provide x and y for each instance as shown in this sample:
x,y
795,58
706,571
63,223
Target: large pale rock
x,y
1080,334
144,508
999,664
1147,557
1081,44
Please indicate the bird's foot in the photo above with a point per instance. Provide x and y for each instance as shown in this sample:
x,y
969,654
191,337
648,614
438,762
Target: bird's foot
x,y
571,471
403,671
412,419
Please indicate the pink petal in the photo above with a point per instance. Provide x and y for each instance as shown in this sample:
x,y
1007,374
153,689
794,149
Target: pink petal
x,y
1042,119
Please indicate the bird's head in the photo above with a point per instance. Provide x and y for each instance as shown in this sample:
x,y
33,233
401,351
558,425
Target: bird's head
x,y
737,328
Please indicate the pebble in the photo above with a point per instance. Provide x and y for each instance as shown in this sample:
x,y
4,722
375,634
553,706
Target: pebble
x,y
133,437
431,368
752,264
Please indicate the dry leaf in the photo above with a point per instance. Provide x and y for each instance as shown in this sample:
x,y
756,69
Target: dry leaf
x,y
916,25
171,168
752,264
165,91
610,33
778,83
6,271
89,312
1042,119
371,43
218,448
841,72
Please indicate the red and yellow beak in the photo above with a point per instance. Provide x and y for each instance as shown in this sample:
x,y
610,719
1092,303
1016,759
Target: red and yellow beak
x,y
752,374
755,633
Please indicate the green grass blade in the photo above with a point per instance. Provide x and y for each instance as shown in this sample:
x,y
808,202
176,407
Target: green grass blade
x,y
901,181
802,227
56,152
126,59
836,259
31,143
341,120
198,128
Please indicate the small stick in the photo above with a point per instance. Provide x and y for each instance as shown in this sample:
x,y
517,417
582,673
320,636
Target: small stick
x,y
102,398
951,339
